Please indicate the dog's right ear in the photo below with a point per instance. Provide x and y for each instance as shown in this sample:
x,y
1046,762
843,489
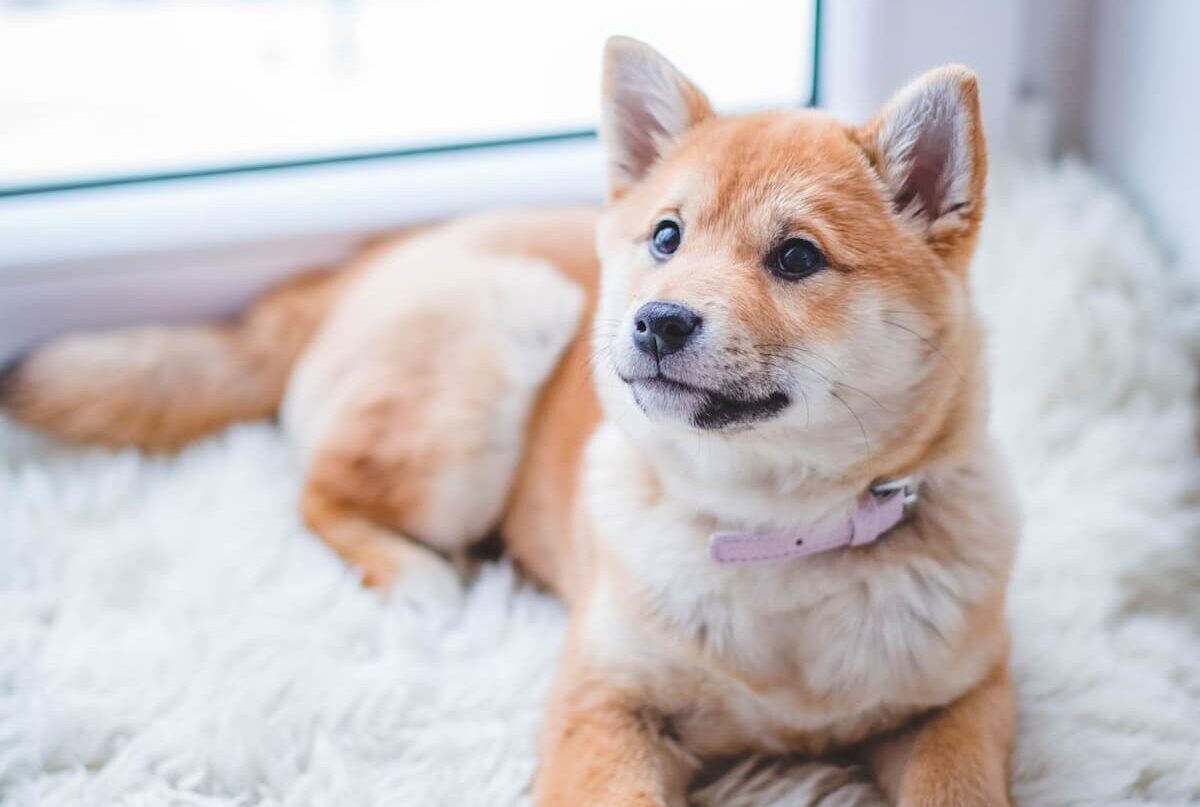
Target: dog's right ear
x,y
648,104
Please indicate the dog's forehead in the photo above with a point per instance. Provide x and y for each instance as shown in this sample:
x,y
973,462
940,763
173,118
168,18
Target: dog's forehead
x,y
765,170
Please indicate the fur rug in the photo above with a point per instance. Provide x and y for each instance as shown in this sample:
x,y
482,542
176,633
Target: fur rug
x,y
172,635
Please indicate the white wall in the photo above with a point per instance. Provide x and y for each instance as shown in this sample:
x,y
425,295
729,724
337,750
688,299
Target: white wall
x,y
870,48
1121,79
1143,116
1114,80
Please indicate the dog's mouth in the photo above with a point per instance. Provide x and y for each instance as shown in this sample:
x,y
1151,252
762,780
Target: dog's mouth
x,y
704,408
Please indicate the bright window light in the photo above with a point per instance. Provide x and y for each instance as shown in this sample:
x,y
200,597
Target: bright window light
x,y
93,90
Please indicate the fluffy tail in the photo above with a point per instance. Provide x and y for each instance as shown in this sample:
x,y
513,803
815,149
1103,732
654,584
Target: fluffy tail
x,y
159,387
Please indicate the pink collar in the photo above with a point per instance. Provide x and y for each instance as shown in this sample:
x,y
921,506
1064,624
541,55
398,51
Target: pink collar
x,y
879,509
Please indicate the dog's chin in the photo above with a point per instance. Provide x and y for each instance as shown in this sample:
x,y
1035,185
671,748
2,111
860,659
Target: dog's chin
x,y
665,398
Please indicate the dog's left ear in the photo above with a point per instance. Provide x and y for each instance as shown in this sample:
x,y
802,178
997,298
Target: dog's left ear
x,y
927,144
647,105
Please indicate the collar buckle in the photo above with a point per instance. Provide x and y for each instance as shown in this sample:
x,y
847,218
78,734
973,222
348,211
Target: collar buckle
x,y
908,486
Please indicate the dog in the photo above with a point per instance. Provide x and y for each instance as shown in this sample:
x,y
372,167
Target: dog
x,y
736,420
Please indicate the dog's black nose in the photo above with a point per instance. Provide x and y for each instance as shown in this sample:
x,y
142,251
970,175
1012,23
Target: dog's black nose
x,y
660,328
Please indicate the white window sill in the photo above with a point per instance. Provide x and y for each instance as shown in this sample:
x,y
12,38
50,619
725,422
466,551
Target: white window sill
x,y
201,247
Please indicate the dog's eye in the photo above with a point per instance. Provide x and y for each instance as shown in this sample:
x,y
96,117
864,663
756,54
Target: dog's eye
x,y
665,240
796,258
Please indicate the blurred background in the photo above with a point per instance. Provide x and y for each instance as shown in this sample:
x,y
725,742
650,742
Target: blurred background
x,y
166,159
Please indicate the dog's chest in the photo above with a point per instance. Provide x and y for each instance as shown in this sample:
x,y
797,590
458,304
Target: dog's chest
x,y
803,654
731,668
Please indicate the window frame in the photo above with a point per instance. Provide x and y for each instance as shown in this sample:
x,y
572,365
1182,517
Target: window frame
x,y
196,244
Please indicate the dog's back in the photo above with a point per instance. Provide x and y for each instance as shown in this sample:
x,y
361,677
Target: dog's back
x,y
406,381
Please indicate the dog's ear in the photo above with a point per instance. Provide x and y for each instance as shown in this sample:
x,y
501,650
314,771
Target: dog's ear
x,y
648,104
928,147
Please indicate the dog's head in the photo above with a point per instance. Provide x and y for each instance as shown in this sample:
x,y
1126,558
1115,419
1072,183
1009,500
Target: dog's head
x,y
779,274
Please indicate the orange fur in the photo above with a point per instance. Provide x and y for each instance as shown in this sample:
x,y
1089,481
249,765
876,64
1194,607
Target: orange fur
x,y
453,387
357,539
958,755
411,404
160,387
600,746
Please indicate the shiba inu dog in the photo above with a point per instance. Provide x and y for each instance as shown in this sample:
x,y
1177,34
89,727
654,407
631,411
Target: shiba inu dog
x,y
736,419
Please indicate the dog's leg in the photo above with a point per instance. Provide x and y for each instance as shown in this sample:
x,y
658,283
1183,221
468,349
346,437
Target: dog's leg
x,y
418,447
957,756
600,747
409,410
387,559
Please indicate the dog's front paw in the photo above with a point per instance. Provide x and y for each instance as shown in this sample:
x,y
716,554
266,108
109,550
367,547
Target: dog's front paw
x,y
951,790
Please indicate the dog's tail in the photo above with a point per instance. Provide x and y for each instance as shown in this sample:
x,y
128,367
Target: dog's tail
x,y
158,387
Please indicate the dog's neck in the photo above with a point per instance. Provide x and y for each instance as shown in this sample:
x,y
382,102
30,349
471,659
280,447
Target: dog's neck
x,y
751,481
739,488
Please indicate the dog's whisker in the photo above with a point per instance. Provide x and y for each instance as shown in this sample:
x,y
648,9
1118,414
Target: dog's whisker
x,y
807,408
928,343
863,393
857,419
925,312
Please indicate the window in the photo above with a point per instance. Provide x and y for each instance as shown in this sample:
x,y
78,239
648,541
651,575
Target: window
x,y
93,91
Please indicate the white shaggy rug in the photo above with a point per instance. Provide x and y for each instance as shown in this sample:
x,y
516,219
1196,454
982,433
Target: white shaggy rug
x,y
170,634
